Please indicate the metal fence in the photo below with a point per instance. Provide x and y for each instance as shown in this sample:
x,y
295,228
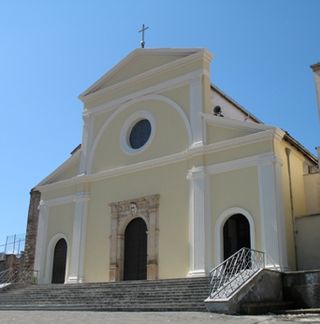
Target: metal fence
x,y
14,244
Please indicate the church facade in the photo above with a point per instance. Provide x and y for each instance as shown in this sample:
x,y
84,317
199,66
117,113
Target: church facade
x,y
172,177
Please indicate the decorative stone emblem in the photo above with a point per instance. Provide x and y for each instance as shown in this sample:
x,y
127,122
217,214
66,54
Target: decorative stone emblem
x,y
133,208
122,213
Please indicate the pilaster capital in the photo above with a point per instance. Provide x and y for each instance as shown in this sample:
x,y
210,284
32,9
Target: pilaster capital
x,y
196,173
86,115
43,206
81,196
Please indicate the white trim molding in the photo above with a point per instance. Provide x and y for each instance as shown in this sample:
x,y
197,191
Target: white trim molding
x,y
198,221
42,233
196,109
218,230
235,124
273,230
79,238
41,241
87,136
127,127
254,160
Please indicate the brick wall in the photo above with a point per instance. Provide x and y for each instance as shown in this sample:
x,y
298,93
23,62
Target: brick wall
x,y
32,226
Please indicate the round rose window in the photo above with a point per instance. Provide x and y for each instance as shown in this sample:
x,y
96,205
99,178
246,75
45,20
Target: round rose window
x,y
139,134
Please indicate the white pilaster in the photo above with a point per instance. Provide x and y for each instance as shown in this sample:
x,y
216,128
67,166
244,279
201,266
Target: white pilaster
x,y
42,233
86,142
196,104
78,238
197,221
272,214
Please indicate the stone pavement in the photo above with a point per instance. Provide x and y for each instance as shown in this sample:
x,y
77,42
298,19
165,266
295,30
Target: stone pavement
x,y
48,317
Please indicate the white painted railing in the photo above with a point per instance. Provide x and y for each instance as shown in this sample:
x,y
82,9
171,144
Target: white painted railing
x,y
229,275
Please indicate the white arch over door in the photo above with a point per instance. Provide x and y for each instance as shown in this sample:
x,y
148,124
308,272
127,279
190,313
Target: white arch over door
x,y
218,232
50,253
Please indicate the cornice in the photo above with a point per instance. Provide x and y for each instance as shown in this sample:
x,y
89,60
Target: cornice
x,y
232,123
165,160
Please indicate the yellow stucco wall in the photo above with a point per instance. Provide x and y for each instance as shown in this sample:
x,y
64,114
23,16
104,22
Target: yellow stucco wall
x,y
297,165
239,188
138,65
58,193
170,137
171,183
217,134
239,152
99,120
60,221
180,95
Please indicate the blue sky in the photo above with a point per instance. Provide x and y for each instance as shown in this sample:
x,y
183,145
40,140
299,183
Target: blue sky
x,y
53,50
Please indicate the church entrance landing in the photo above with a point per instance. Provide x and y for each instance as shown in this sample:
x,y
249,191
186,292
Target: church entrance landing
x,y
134,239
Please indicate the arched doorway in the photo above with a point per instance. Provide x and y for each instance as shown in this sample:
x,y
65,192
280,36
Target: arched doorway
x,y
135,250
59,262
236,235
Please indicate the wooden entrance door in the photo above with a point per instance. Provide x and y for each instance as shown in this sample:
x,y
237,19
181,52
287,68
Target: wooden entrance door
x,y
135,250
59,262
236,235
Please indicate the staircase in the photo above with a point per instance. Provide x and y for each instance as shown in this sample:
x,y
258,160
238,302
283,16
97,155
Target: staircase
x,y
241,284
156,295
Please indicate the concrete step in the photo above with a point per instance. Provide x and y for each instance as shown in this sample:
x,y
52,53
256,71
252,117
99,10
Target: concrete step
x,y
104,308
161,295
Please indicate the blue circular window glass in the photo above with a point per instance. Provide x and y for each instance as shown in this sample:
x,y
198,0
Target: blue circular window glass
x,y
140,133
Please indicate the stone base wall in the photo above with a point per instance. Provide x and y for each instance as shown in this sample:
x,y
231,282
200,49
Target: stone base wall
x,y
302,287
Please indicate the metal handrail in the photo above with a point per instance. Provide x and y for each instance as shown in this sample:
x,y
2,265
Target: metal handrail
x,y
24,276
4,275
229,275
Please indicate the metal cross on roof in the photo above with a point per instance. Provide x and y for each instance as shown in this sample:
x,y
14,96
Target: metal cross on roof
x,y
142,43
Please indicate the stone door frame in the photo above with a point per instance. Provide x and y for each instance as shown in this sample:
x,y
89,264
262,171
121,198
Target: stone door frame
x,y
122,213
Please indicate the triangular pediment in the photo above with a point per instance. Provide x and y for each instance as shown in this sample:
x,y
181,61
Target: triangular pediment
x,y
139,62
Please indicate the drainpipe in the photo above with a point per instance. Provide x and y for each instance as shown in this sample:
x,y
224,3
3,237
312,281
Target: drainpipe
x,y
288,151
